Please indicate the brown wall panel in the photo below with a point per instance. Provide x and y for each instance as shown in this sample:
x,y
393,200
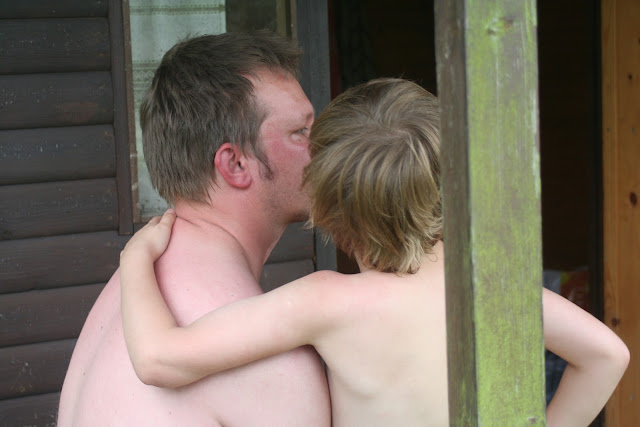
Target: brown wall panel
x,y
33,411
56,154
34,368
64,177
48,100
29,317
277,274
621,188
295,243
52,8
50,262
54,45
65,207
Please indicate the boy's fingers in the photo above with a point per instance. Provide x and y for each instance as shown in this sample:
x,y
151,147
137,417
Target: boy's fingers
x,y
169,217
154,220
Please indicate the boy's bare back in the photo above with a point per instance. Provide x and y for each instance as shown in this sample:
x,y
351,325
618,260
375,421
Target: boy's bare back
x,y
387,351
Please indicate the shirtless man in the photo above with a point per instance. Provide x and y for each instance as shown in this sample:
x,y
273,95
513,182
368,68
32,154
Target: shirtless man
x,y
374,180
225,129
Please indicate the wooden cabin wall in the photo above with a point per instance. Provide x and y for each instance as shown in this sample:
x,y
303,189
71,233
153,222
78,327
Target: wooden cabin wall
x,y
65,198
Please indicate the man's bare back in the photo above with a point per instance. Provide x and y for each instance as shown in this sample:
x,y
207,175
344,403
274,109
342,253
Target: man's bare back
x,y
202,270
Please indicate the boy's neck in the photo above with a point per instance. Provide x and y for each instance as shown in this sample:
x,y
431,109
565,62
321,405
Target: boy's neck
x,y
436,255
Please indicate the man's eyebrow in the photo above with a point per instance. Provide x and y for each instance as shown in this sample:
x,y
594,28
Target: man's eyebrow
x,y
310,115
304,117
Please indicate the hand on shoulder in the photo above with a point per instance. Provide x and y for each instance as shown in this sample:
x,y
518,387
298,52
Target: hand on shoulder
x,y
151,240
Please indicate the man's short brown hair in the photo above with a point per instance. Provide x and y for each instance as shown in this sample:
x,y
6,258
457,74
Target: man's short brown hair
x,y
374,173
200,98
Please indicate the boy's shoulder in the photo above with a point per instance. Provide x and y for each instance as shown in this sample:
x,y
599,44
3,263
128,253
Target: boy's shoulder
x,y
350,292
351,282
329,280
326,283
322,276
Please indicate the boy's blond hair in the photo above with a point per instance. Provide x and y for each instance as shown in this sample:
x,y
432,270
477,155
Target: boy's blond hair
x,y
374,173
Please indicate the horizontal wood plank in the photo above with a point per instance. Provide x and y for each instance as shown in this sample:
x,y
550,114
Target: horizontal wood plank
x,y
54,45
55,314
57,154
51,262
34,411
296,243
34,368
277,274
52,8
53,100
67,207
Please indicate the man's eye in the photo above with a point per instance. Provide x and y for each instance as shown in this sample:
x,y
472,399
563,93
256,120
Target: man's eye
x,y
303,131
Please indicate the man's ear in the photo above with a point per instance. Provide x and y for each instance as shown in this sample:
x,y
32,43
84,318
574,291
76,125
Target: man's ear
x,y
232,164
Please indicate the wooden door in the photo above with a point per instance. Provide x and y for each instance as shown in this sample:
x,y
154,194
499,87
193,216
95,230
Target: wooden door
x,y
621,186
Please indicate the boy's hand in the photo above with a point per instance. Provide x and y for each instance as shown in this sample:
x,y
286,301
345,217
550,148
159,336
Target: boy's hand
x,y
152,239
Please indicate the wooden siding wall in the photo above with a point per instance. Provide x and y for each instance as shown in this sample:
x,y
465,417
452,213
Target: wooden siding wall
x,y
621,182
65,201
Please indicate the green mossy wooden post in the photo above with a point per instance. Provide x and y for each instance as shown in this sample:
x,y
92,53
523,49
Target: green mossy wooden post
x,y
488,90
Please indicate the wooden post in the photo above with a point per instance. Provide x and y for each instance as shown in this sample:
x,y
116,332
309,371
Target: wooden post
x,y
488,90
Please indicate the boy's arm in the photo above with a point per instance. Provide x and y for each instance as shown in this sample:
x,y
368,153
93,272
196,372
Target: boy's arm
x,y
596,359
144,311
166,355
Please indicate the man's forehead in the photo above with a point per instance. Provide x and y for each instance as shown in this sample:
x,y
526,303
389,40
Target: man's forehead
x,y
274,91
266,79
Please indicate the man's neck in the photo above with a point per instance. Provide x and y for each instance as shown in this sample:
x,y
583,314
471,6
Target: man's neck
x,y
255,233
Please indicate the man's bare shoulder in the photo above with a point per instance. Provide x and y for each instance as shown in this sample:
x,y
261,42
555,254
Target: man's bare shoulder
x,y
201,270
205,247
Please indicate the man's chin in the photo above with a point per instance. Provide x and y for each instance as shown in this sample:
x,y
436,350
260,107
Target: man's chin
x,y
300,216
